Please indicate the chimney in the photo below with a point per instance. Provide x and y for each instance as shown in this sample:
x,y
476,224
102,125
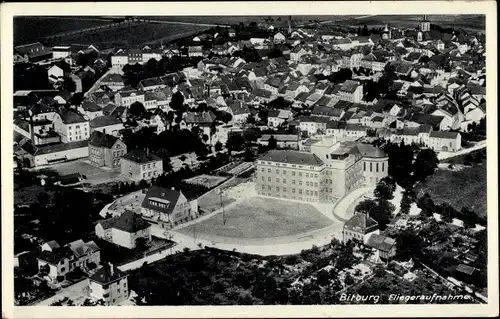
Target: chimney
x,y
289,24
147,151
111,269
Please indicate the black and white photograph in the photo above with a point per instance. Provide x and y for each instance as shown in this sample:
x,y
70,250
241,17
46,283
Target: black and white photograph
x,y
251,160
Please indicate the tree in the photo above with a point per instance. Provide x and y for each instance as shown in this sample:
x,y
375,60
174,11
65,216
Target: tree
x,y
77,98
366,206
385,189
69,84
248,156
137,109
406,202
272,143
218,146
382,213
235,142
408,245
425,164
177,101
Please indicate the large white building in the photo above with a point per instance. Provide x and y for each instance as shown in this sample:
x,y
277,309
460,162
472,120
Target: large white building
x,y
326,172
71,125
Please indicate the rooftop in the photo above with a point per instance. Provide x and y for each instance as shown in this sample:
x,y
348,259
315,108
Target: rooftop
x,y
141,156
292,157
129,222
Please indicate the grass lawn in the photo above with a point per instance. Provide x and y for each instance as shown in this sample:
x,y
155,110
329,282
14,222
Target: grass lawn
x,y
464,188
262,218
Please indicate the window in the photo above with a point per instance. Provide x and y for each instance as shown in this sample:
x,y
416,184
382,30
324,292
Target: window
x,y
307,174
143,166
277,171
262,177
144,175
383,166
284,180
277,189
371,167
300,183
293,173
364,166
268,179
284,189
277,180
262,170
293,190
284,172
263,187
293,182
268,188
269,170
300,191
149,165
376,167
315,193
300,174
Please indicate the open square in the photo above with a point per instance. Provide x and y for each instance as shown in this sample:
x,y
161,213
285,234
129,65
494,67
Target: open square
x,y
259,217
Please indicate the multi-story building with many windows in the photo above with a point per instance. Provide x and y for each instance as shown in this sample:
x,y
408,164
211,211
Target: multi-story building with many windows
x,y
328,171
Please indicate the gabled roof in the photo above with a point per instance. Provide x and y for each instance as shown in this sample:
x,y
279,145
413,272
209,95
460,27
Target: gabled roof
x,y
166,196
200,118
361,223
292,157
71,116
141,156
444,135
129,222
80,248
151,82
381,242
105,276
100,139
91,107
349,86
105,120
238,107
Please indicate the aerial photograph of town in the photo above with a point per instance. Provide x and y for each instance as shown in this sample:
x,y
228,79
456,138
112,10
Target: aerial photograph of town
x,y
249,160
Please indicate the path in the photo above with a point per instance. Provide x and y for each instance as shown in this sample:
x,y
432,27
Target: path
x,y
479,145
342,210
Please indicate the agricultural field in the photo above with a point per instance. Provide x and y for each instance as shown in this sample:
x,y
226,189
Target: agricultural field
x,y
32,29
257,218
133,34
460,188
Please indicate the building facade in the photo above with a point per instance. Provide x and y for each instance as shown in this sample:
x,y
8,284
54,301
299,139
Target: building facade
x,y
140,164
109,284
105,150
326,170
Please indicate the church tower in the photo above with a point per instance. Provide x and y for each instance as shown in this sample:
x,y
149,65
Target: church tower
x,y
386,34
425,25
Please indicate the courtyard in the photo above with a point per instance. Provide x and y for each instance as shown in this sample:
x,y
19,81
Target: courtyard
x,y
257,218
93,175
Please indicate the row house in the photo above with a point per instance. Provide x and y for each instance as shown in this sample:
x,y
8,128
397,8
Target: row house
x,y
127,98
55,261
